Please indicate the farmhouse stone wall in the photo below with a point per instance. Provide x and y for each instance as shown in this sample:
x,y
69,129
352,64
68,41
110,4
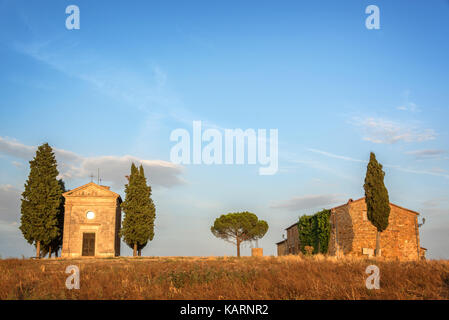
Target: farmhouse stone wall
x,y
353,234
293,239
106,223
282,248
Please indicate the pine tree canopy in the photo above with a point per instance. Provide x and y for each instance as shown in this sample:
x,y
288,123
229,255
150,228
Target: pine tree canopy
x,y
41,199
139,209
239,227
376,195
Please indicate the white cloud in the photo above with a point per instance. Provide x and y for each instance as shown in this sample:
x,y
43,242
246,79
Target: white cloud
x,y
308,202
379,130
115,168
16,149
112,168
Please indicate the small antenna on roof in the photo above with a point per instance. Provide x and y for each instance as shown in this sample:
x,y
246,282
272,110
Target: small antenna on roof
x,y
91,177
98,175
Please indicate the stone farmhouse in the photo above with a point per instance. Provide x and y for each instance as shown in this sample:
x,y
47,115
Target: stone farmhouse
x,y
291,244
352,234
92,222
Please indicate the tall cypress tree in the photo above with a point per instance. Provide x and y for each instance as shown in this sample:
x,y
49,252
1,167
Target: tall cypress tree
x,y
140,212
149,212
376,198
41,200
55,245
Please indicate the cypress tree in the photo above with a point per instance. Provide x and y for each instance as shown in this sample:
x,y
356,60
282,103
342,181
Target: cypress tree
x,y
140,212
55,245
376,198
41,200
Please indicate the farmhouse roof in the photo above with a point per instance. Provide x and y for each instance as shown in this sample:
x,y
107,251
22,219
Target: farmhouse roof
x,y
293,225
363,198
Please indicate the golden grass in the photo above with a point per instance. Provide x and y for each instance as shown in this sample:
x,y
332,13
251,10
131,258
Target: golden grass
x,y
288,277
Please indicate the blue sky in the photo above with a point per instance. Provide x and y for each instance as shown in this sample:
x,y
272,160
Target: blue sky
x,y
113,91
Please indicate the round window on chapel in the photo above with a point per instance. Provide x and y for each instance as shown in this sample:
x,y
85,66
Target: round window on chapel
x,y
90,215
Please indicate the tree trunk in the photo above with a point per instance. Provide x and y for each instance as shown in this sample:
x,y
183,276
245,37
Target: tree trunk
x,y
38,249
378,250
135,250
49,252
139,252
238,247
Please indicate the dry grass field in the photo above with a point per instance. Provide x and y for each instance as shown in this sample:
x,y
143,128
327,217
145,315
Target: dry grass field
x,y
289,277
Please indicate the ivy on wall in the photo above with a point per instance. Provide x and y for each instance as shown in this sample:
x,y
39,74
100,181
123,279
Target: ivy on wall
x,y
305,230
314,231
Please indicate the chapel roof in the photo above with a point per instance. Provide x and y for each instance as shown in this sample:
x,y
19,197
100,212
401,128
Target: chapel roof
x,y
103,191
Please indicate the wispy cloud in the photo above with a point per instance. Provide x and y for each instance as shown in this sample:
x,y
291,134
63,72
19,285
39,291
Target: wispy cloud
x,y
308,202
438,170
431,172
379,130
336,156
408,105
298,163
17,164
113,168
435,202
427,153
144,88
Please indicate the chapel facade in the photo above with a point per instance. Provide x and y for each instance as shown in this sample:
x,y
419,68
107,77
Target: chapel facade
x,y
92,222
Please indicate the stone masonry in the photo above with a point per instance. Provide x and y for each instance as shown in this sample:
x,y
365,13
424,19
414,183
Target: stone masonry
x,y
92,222
293,239
353,234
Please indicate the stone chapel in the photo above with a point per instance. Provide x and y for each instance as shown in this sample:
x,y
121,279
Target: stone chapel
x,y
92,221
